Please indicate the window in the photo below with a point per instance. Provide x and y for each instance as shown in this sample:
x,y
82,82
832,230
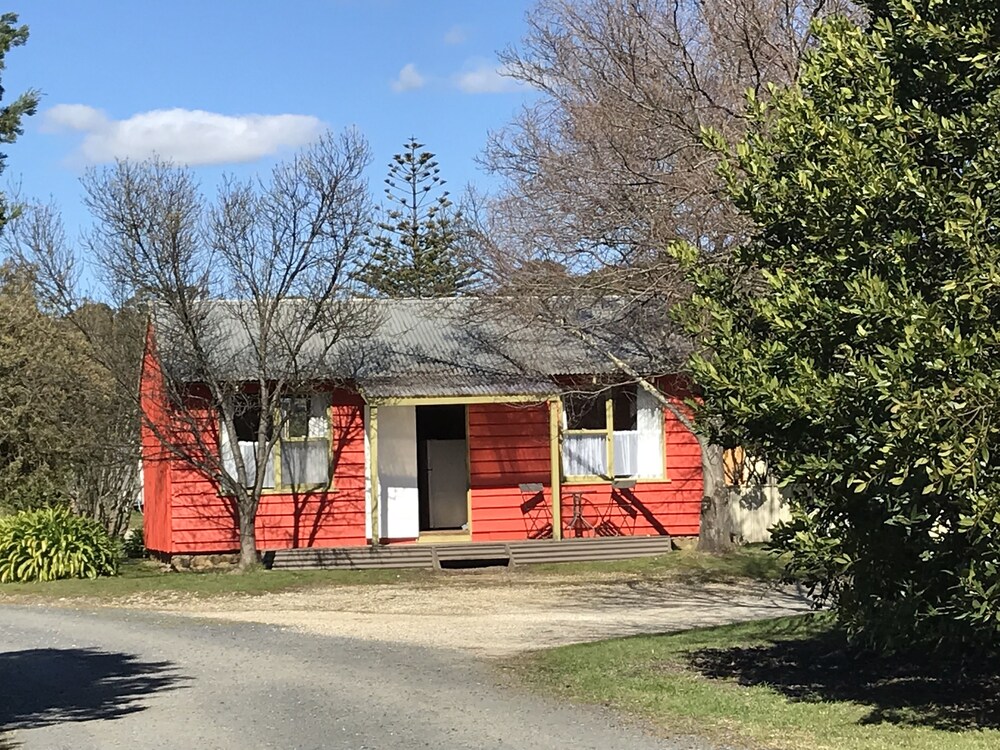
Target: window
x,y
247,423
304,447
301,457
615,433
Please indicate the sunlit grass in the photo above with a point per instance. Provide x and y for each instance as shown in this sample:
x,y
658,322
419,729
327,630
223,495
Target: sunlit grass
x,y
147,577
788,684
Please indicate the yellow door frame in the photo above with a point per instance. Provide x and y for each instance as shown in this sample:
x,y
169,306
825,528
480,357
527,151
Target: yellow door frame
x,y
555,453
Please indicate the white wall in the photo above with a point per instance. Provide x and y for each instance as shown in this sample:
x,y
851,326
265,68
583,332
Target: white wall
x,y
759,507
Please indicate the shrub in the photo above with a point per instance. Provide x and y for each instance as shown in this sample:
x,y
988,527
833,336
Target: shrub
x,y
134,544
51,543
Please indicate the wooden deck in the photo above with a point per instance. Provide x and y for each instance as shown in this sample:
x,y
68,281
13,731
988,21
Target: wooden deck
x,y
469,554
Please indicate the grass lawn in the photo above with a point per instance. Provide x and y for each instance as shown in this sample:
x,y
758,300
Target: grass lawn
x,y
135,520
143,577
789,684
687,564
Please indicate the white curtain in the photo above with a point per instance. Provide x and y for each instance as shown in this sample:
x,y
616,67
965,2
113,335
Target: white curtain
x,y
248,449
626,453
305,462
585,455
649,443
319,415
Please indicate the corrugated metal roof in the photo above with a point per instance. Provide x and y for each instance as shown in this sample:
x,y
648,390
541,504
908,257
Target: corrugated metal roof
x,y
429,386
409,348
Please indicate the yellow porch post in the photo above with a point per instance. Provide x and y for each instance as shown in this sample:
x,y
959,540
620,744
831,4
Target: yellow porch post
x,y
373,471
555,457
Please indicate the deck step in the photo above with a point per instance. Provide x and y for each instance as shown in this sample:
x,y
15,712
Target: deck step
x,y
431,556
604,548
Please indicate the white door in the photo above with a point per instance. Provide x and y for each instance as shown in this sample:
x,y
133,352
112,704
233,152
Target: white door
x,y
447,484
399,499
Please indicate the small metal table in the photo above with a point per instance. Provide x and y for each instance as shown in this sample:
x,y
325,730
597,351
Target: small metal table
x,y
578,522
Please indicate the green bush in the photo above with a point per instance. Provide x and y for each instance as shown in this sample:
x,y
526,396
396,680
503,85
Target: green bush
x,y
51,543
134,544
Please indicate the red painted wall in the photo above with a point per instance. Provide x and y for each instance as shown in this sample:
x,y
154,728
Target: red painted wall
x,y
652,507
156,460
508,446
193,517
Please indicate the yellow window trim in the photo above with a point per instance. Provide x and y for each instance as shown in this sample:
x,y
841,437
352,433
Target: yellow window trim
x,y
609,437
578,480
287,489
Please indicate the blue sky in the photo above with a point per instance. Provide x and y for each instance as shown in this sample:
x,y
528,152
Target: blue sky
x,y
122,78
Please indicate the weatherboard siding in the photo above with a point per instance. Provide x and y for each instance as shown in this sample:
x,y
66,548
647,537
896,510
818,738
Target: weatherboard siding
x,y
156,488
200,520
669,506
508,446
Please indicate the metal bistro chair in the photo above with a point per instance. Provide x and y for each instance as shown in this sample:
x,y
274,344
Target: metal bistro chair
x,y
621,509
537,515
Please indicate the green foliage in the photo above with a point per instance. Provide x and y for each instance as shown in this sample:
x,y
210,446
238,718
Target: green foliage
x,y
853,341
52,543
12,35
31,381
415,253
53,400
134,544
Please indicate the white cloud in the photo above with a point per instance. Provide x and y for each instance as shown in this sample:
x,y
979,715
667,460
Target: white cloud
x,y
455,35
409,78
487,79
73,117
184,136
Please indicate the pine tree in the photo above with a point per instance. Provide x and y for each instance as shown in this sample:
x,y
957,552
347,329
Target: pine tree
x,y
25,105
415,250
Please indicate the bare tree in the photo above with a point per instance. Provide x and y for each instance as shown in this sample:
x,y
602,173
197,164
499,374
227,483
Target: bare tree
x,y
607,167
251,296
609,162
100,419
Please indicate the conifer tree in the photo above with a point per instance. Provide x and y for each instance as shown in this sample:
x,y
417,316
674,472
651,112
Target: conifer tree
x,y
12,35
415,249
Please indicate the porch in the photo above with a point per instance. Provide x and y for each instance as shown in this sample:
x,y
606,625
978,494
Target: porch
x,y
450,470
491,469
469,555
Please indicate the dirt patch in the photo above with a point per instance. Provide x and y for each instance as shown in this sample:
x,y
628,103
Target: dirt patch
x,y
497,618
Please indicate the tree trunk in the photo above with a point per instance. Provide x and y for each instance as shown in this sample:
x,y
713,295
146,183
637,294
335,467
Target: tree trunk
x,y
249,557
716,526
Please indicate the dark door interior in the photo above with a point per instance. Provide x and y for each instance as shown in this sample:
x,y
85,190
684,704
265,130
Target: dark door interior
x,y
442,469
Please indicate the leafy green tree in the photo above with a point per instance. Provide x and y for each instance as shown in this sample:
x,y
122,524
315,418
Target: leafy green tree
x,y
53,401
415,252
69,430
12,35
854,341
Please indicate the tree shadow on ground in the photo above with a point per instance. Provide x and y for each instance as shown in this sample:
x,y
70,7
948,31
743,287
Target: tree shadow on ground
x,y
47,686
911,690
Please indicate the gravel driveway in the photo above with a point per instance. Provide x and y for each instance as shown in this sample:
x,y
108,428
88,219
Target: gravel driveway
x,y
492,615
358,667
113,679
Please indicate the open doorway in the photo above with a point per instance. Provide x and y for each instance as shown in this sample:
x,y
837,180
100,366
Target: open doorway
x,y
442,468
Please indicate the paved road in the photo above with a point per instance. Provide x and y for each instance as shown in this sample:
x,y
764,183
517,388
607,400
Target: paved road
x,y
110,679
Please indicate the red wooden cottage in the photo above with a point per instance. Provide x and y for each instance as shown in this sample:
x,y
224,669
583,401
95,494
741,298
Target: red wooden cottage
x,y
440,438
